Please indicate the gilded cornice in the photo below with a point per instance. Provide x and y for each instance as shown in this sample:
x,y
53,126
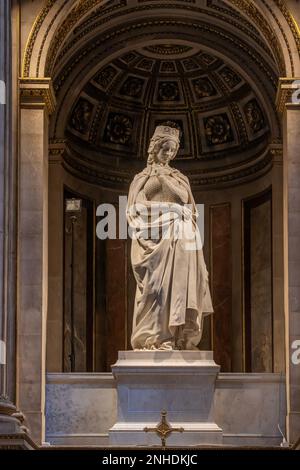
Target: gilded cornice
x,y
286,88
36,93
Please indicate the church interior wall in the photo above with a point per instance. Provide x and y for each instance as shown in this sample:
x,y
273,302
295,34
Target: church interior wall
x,y
36,335
249,408
211,198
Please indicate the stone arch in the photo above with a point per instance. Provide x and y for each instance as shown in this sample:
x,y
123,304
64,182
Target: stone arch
x,y
58,19
69,90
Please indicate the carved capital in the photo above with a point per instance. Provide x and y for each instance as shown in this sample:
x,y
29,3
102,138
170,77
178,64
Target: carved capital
x,y
288,92
57,147
37,93
276,150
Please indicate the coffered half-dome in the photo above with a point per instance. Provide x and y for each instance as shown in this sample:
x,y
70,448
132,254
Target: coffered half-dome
x,y
215,108
216,84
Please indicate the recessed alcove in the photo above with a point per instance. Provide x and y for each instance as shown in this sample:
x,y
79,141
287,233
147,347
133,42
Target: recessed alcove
x,y
222,99
89,83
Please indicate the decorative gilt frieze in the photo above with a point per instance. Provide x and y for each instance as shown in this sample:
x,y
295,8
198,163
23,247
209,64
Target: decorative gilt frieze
x,y
248,6
253,14
82,8
294,27
105,42
287,93
33,36
37,93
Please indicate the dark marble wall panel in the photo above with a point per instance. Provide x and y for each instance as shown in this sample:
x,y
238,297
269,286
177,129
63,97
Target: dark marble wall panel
x,y
258,284
79,293
100,307
131,289
221,283
116,302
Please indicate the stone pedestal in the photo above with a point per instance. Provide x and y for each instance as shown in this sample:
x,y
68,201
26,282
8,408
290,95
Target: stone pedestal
x,y
180,382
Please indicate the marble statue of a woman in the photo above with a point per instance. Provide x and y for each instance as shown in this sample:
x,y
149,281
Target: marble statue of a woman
x,y
172,295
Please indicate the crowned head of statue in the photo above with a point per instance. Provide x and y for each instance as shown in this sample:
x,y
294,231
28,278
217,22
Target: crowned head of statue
x,y
164,145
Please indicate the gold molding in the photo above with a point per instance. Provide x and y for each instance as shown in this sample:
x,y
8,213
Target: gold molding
x,y
252,12
76,12
245,5
291,22
33,35
286,87
250,9
37,93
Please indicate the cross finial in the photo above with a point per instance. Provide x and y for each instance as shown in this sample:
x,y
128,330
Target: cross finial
x,y
163,429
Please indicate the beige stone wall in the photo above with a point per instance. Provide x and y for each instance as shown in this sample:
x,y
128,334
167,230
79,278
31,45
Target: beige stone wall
x,y
33,242
291,119
33,267
248,408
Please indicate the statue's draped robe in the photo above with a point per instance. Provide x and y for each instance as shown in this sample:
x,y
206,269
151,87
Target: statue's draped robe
x,y
172,294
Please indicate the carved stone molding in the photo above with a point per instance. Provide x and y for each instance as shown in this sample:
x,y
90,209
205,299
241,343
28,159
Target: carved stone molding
x,y
276,150
286,88
259,20
11,415
74,164
291,21
57,148
85,9
20,441
33,36
6,407
37,93
148,28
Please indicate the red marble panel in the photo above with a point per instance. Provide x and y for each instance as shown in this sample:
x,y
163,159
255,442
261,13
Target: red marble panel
x,y
116,299
221,283
258,283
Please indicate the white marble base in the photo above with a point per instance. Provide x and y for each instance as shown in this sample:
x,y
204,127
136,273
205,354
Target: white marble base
x,y
133,434
180,382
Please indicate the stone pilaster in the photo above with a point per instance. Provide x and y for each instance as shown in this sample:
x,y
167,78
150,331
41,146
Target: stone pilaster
x,y
37,101
288,101
13,434
55,326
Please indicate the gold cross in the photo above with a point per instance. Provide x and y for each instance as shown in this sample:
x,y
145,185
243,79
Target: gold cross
x,y
163,429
